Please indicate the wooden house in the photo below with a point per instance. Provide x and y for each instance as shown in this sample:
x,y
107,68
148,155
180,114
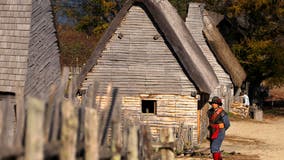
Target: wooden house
x,y
149,54
29,55
202,25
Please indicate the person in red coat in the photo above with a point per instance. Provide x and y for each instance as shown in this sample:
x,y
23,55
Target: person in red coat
x,y
218,124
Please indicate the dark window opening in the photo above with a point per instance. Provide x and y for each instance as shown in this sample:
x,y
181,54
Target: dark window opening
x,y
149,106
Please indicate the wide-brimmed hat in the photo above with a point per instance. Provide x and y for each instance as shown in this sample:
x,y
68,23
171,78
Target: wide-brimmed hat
x,y
216,100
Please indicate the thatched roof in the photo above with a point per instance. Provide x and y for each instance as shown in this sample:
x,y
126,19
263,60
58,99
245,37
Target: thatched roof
x,y
222,50
195,24
175,32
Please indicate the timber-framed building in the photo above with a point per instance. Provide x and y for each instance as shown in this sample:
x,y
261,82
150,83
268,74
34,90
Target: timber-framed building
x,y
29,54
149,54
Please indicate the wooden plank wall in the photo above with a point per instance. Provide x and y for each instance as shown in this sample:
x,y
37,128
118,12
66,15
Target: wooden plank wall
x,y
43,60
7,118
172,111
15,18
136,63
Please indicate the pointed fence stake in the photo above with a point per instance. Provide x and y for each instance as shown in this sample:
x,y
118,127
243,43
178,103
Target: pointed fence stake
x,y
69,131
132,146
34,132
167,137
91,134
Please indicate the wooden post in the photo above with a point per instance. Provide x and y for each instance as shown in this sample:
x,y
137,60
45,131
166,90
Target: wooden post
x,y
132,145
198,126
92,94
34,133
7,136
180,139
58,100
166,137
20,116
91,134
258,115
49,111
109,116
69,131
116,134
1,119
103,115
146,146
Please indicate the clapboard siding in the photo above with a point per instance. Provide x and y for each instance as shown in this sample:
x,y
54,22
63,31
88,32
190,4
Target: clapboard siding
x,y
150,55
43,60
172,111
15,18
137,63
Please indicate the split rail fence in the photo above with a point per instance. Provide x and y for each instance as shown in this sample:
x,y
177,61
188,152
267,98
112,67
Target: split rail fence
x,y
62,127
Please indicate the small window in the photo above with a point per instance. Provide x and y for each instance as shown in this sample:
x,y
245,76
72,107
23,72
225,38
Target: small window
x,y
149,106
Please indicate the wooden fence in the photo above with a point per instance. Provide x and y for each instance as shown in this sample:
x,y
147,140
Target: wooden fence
x,y
63,127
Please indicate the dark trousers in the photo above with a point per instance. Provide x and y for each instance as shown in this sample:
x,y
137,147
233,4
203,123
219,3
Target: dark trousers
x,y
215,144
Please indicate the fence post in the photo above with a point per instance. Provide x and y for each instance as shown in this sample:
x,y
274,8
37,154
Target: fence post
x,y
8,135
34,132
132,145
69,131
166,137
109,116
2,111
116,132
58,100
49,112
146,150
20,116
91,134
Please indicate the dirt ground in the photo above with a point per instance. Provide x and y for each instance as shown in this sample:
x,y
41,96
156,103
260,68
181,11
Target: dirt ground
x,y
264,139
248,139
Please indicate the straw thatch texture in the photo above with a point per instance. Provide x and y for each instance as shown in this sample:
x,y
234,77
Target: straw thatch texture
x,y
222,51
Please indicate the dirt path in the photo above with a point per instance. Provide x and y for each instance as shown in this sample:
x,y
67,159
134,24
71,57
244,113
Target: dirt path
x,y
250,140
262,139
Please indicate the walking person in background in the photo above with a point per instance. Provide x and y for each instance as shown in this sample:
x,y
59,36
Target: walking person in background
x,y
246,99
218,124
